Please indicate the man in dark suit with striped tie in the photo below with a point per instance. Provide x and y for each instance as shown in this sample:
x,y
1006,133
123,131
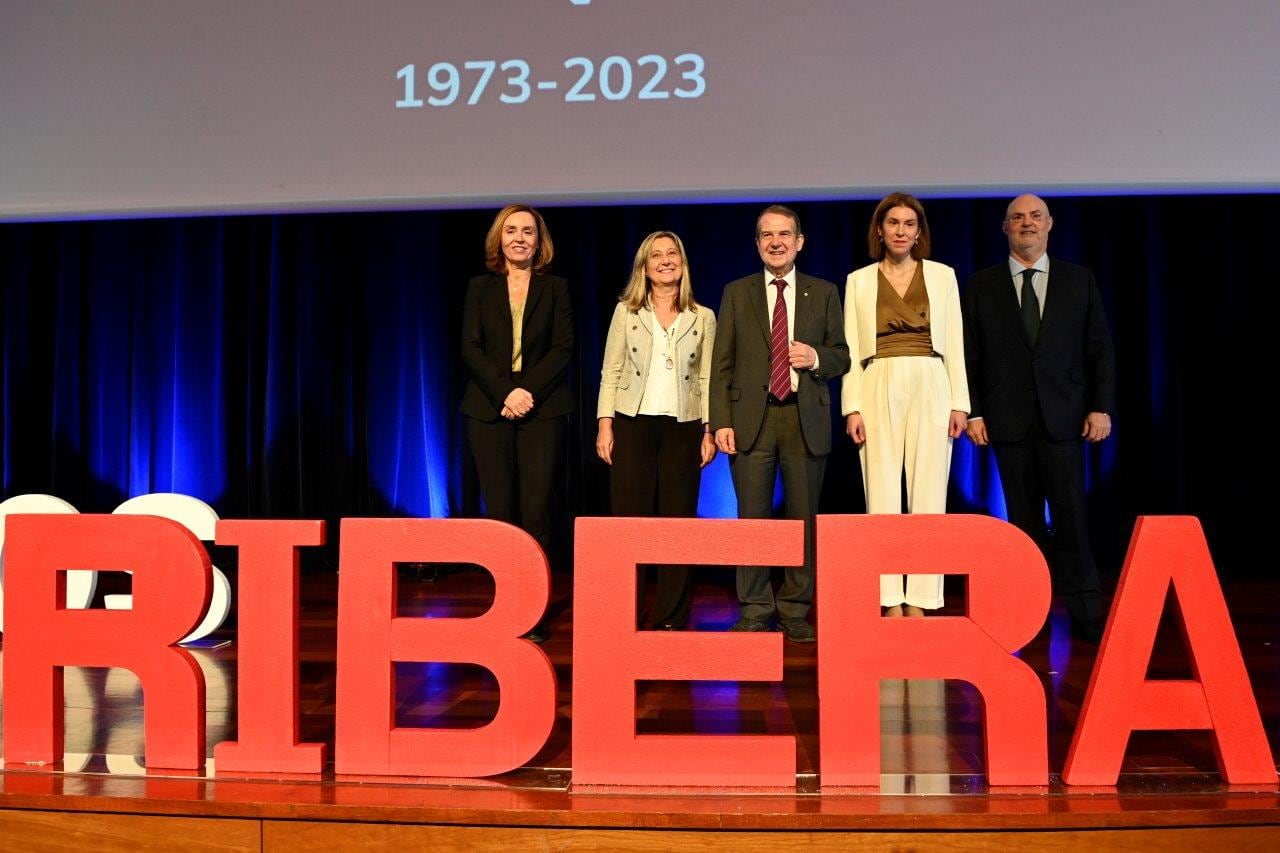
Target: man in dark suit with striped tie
x,y
779,340
1041,383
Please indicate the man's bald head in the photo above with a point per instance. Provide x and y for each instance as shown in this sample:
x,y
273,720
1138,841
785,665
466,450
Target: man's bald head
x,y
1027,224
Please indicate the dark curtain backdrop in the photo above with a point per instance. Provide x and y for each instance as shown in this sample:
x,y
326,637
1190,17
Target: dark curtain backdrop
x,y
306,365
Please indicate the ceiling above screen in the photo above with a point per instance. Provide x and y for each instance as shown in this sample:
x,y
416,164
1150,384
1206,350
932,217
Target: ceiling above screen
x,y
186,106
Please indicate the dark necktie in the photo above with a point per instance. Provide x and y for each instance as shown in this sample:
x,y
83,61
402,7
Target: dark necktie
x,y
1030,307
779,364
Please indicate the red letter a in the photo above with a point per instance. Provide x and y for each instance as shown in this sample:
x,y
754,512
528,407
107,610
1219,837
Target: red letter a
x,y
1163,551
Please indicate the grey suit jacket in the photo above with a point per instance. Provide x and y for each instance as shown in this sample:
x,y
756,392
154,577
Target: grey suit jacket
x,y
740,365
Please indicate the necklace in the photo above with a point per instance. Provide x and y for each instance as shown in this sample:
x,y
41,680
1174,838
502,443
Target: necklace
x,y
669,331
670,334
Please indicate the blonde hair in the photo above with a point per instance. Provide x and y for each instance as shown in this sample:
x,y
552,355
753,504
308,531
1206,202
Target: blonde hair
x,y
493,258
636,294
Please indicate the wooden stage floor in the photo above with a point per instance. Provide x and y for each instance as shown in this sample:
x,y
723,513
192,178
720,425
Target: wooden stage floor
x,y
933,789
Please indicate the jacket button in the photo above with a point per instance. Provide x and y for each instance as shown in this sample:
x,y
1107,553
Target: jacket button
x,y
695,331
633,349
633,328
692,356
637,373
686,376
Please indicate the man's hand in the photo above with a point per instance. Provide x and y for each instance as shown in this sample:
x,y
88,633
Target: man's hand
x,y
724,440
977,432
802,356
1097,426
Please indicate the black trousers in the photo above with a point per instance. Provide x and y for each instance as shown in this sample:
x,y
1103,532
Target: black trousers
x,y
519,463
657,471
779,446
1040,468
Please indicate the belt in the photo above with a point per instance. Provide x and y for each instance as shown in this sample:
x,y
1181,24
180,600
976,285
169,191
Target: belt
x,y
866,362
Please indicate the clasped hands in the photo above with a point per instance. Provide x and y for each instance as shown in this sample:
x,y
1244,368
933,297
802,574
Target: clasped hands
x,y
518,404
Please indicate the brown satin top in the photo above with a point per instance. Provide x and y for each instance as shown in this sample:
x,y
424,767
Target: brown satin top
x,y
902,322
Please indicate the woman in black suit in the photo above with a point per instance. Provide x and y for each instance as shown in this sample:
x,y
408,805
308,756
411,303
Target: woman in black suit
x,y
517,339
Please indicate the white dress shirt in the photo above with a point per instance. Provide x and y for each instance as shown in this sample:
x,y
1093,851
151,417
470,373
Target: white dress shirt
x,y
661,388
789,297
1039,281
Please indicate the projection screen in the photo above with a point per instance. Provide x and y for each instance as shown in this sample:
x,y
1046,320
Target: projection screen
x,y
157,107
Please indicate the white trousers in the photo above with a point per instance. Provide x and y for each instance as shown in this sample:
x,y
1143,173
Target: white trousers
x,y
906,407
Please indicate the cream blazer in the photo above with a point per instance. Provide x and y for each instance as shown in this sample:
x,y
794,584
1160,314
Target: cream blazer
x,y
945,330
627,351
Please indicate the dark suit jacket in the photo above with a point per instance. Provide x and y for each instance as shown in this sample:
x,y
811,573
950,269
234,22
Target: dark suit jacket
x,y
546,341
740,367
1070,371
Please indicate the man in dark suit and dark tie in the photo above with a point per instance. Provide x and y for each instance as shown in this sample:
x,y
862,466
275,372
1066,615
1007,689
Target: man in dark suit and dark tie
x,y
779,340
1042,382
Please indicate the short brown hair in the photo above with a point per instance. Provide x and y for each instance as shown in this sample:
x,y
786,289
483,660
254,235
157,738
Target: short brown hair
x,y
781,210
875,246
493,258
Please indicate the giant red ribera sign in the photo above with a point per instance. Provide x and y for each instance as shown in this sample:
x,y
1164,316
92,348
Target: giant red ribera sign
x,y
1008,600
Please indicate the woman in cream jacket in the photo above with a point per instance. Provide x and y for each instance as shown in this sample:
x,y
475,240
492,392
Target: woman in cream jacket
x,y
906,397
652,415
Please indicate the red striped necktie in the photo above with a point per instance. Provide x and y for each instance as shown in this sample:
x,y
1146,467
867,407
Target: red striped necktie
x,y
779,364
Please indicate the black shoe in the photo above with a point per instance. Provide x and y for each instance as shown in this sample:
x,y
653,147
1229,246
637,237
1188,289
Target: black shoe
x,y
539,634
746,623
1087,632
797,630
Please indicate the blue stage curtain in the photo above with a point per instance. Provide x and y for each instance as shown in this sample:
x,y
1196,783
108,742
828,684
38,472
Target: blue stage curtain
x,y
306,365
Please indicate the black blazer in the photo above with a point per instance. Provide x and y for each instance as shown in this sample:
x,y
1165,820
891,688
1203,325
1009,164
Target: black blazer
x,y
546,341
740,366
1070,371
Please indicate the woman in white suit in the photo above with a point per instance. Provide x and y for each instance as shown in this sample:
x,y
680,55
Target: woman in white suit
x,y
652,415
906,396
